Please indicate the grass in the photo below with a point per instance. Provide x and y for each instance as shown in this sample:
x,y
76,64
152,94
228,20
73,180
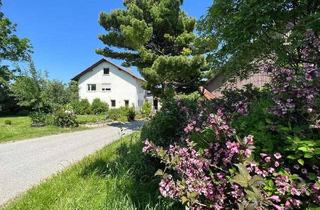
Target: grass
x,y
21,129
83,119
116,177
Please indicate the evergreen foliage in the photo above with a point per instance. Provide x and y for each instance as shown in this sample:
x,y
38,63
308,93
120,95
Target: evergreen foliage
x,y
158,38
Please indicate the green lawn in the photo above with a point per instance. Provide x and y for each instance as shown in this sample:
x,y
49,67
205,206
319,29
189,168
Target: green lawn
x,y
115,178
82,119
21,129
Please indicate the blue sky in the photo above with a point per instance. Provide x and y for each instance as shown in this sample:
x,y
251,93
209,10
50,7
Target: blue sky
x,y
64,33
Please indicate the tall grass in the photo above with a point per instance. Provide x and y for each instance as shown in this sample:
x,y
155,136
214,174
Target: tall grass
x,y
117,177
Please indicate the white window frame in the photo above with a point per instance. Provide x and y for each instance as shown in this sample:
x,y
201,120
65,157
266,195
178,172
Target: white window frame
x,y
89,87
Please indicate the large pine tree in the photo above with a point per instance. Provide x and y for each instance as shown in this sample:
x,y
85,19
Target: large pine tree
x,y
157,37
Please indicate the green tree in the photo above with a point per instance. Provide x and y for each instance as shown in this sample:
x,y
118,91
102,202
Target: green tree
x,y
28,89
157,37
56,94
73,91
11,49
249,31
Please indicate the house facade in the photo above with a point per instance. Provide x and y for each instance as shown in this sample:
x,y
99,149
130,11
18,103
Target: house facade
x,y
113,84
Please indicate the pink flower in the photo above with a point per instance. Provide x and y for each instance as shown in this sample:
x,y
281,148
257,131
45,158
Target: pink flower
x,y
276,164
294,191
148,146
275,198
263,155
287,204
278,207
247,152
248,140
267,159
277,155
271,170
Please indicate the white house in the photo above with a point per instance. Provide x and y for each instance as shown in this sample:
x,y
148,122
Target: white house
x,y
113,84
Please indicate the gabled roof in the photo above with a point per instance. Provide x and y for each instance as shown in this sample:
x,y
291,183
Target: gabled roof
x,y
102,61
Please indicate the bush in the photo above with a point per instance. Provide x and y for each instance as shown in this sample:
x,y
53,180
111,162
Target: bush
x,y
8,122
166,127
81,107
146,109
38,119
99,107
217,165
200,175
114,114
122,114
65,118
131,114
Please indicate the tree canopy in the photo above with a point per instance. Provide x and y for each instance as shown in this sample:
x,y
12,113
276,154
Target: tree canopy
x,y
158,38
12,49
248,31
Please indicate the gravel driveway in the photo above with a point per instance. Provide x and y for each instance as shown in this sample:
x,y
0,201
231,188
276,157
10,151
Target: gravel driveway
x,y
24,164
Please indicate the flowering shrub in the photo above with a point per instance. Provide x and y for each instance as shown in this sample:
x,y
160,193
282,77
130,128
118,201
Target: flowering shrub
x,y
236,101
65,118
214,166
297,89
166,127
223,175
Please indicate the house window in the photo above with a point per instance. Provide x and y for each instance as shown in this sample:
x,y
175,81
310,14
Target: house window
x,y
126,103
92,87
106,71
113,103
106,87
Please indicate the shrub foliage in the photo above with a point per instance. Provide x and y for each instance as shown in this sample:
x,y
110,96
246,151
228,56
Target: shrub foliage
x,y
218,164
99,107
65,118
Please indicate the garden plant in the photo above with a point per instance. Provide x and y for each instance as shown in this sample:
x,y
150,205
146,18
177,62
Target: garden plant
x,y
212,166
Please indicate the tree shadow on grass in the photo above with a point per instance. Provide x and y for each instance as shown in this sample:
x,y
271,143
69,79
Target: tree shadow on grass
x,y
136,174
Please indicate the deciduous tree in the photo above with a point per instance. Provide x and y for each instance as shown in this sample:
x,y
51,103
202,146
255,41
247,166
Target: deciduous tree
x,y
249,31
13,49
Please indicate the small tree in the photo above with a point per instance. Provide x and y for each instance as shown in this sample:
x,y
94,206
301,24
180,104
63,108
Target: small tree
x,y
146,109
73,91
56,94
99,107
27,89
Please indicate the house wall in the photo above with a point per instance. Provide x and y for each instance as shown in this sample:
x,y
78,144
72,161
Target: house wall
x,y
123,86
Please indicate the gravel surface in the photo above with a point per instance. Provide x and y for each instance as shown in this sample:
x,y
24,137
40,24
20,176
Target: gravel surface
x,y
24,164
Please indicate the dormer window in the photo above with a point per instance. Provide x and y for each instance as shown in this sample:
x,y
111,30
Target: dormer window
x,y
106,71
